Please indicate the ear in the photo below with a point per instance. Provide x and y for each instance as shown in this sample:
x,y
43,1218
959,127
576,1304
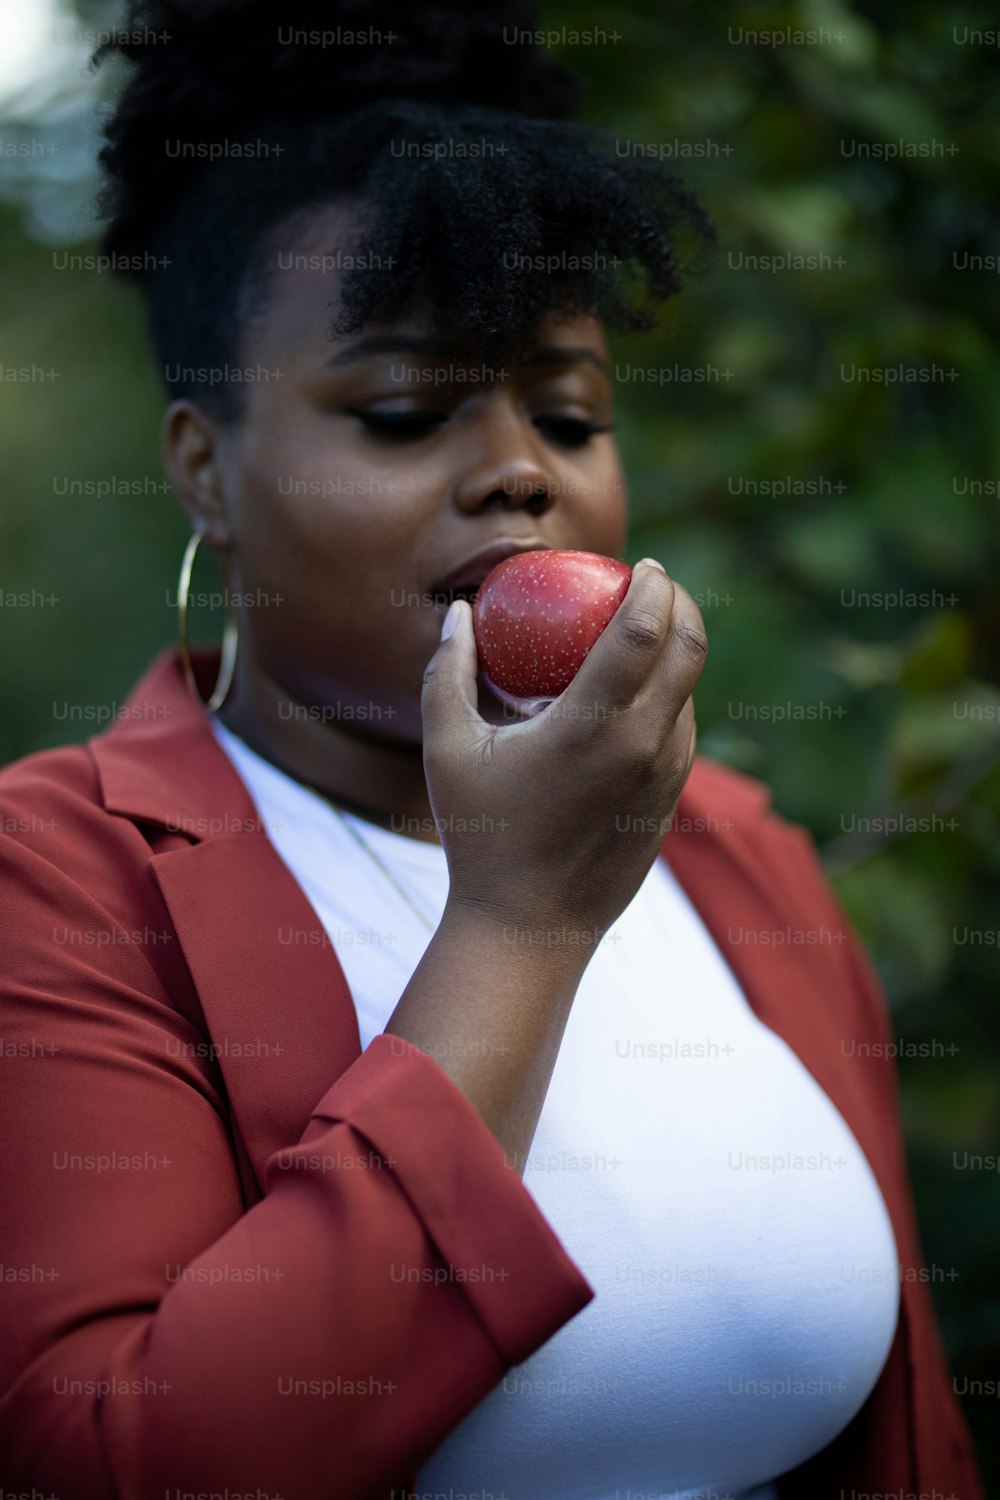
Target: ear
x,y
191,443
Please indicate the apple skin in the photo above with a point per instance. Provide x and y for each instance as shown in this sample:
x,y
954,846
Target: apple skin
x,y
536,618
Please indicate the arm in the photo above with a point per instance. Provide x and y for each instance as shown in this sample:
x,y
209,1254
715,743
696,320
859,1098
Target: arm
x,y
946,1460
325,1341
499,1042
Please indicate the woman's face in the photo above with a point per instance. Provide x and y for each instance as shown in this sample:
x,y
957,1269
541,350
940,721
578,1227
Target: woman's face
x,y
364,470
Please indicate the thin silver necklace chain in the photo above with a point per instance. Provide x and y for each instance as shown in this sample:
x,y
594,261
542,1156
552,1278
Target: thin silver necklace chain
x,y
421,916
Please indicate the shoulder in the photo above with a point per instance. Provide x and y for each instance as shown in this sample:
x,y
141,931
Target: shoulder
x,y
70,767
732,792
64,857
51,802
734,803
780,860
82,911
777,854
49,798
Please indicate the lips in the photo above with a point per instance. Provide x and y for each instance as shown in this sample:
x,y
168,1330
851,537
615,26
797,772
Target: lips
x,y
465,578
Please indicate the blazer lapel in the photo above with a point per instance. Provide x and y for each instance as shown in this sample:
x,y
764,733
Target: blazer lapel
x,y
277,1005
276,1002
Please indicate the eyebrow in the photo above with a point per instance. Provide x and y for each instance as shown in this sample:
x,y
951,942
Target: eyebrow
x,y
431,348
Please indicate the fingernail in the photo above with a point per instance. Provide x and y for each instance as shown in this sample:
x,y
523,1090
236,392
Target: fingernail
x,y
651,562
450,620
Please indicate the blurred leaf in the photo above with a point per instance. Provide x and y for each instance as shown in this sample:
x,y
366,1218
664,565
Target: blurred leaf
x,y
936,729
941,652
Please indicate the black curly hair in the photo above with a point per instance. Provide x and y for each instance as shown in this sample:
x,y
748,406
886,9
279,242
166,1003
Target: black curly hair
x,y
486,201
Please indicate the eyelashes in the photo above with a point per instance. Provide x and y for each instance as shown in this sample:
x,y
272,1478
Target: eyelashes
x,y
571,432
399,424
566,432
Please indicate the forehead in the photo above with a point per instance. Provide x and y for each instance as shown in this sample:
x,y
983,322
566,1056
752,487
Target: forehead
x,y
305,261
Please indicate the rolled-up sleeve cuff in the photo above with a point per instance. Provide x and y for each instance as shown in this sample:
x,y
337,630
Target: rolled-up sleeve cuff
x,y
484,1222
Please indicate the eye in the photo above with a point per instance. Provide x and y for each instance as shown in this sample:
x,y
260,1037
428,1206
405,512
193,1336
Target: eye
x,y
570,432
399,425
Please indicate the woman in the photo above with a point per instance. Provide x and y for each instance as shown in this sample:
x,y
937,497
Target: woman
x,y
394,1101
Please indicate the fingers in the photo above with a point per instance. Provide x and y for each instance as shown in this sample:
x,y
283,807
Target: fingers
x,y
620,661
655,639
449,699
687,647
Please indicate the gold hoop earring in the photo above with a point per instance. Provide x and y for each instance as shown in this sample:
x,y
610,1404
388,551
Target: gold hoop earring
x,y
230,634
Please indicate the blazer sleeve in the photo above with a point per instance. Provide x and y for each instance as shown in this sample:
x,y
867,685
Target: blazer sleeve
x,y
945,1456
156,1334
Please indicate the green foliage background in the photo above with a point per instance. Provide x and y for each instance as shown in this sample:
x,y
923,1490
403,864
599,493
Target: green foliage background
x,y
890,490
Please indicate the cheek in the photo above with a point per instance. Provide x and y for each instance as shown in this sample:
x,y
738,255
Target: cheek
x,y
314,561
312,548
297,501
604,509
329,536
617,501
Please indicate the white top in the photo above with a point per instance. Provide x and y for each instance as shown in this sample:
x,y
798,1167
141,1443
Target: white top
x,y
744,1265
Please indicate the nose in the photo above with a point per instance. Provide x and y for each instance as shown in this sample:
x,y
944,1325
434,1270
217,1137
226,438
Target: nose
x,y
506,462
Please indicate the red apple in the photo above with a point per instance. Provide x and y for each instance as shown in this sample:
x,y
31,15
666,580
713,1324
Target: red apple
x,y
537,616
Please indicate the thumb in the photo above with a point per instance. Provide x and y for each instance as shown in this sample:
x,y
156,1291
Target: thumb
x,y
449,700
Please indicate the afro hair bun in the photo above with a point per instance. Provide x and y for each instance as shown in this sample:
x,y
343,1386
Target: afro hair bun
x,y
208,72
488,203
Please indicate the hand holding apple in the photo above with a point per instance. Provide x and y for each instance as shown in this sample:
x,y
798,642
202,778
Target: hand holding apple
x,y
556,819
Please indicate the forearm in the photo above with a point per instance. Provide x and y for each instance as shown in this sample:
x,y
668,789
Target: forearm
x,y
274,1353
491,1011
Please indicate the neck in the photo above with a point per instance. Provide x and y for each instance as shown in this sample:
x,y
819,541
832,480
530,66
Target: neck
x,y
379,780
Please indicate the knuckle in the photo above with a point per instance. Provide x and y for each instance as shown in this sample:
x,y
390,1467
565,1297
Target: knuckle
x,y
693,639
649,764
647,752
642,628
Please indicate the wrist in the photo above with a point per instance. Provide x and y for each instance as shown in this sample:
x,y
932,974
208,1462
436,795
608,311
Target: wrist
x,y
530,936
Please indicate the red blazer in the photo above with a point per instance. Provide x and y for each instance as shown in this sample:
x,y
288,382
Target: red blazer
x,y
205,1181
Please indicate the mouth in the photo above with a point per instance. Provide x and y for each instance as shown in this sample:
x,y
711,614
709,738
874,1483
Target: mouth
x,y
464,581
